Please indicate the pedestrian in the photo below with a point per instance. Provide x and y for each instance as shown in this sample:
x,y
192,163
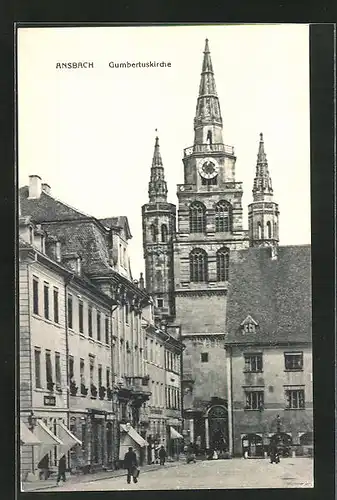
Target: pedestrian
x,y
131,464
162,455
61,470
274,453
43,465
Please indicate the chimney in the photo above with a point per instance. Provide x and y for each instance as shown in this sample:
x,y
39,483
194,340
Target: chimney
x,y
34,186
46,188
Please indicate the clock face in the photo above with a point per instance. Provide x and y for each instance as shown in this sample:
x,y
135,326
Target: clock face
x,y
208,168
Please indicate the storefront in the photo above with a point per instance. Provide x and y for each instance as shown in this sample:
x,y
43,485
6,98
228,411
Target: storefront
x,y
130,437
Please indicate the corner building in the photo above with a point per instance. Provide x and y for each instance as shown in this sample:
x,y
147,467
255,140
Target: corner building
x,y
208,235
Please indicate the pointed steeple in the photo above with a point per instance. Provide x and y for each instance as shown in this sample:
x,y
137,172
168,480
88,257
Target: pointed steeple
x,y
157,184
262,188
208,107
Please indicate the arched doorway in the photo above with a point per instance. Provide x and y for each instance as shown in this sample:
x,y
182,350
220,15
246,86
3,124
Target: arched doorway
x,y
284,442
253,444
218,428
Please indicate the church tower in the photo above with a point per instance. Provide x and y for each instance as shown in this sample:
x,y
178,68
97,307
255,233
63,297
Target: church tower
x,y
263,211
209,228
159,219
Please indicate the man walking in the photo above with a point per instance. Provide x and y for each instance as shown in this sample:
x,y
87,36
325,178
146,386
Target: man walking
x,y
130,463
162,455
61,470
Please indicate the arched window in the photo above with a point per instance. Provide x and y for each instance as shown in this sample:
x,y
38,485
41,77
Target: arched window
x,y
259,231
153,230
164,233
197,217
198,265
209,137
223,217
269,229
222,264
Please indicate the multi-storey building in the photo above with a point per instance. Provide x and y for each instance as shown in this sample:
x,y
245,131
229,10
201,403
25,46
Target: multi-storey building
x,y
268,346
163,370
201,261
81,316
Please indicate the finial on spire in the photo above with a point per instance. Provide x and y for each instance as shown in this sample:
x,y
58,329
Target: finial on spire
x,y
206,46
261,136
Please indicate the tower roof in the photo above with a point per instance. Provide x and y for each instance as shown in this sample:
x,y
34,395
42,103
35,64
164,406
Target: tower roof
x,y
157,184
262,182
208,106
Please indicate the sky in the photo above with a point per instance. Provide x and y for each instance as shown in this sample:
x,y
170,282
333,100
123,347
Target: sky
x,y
89,133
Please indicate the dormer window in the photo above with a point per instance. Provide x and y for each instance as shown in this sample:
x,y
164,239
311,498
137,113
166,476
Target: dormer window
x,y
249,325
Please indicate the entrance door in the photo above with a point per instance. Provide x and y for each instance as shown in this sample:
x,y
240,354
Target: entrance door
x,y
218,428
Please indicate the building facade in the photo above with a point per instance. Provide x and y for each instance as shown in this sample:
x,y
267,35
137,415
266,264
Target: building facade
x,y
81,334
207,241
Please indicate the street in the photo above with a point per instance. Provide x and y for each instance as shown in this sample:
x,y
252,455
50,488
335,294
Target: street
x,y
215,474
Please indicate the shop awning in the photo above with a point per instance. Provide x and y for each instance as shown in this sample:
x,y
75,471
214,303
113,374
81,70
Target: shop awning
x,y
134,435
46,435
69,440
175,434
67,437
27,438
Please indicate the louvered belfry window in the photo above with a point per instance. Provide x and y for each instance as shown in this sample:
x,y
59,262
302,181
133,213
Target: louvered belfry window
x,y
222,264
197,217
223,217
198,265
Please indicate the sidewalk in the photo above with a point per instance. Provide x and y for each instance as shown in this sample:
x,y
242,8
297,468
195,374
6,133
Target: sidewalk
x,y
88,478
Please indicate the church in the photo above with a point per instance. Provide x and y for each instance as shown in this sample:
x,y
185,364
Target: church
x,y
240,302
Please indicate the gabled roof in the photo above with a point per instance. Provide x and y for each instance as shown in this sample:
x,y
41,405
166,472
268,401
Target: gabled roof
x,y
276,293
47,208
120,222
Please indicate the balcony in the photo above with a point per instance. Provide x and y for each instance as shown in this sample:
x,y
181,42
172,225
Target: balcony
x,y
139,392
209,148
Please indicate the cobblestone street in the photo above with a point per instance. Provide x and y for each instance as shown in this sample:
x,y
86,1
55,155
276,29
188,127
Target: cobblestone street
x,y
236,473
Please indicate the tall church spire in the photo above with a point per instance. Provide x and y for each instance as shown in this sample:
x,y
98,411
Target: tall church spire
x,y
207,121
157,184
262,188
263,212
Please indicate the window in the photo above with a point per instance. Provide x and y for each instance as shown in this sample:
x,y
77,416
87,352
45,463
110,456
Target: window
x,y
80,316
197,217
164,233
46,300
92,367
30,235
127,313
254,400
295,399
204,357
82,376
70,311
56,305
58,369
249,328
107,336
259,231
108,377
49,369
253,362
223,217
222,264
160,302
293,361
99,375
35,295
151,350
98,317
198,265
37,357
269,229
90,321
71,367
153,230
209,182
